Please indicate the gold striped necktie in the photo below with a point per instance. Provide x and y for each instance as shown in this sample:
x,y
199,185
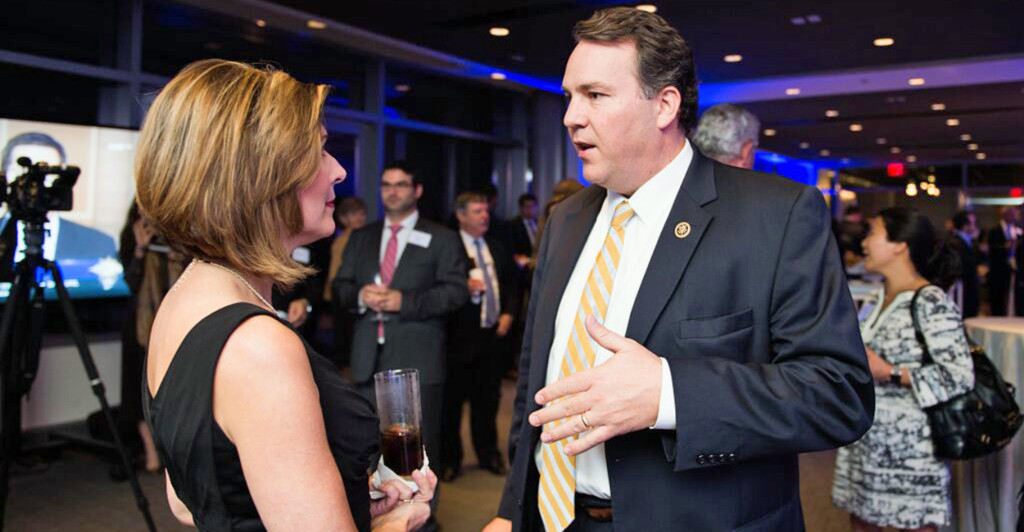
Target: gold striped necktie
x,y
557,492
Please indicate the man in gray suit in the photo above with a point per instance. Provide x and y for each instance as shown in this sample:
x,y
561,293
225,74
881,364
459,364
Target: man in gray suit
x,y
402,277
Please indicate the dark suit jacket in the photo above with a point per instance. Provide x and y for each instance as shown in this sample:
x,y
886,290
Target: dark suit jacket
x,y
467,320
968,277
433,284
998,255
753,314
517,237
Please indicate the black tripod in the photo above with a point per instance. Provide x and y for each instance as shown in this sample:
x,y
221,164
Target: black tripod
x,y
20,341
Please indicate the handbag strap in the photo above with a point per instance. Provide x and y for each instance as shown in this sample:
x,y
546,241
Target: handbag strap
x,y
927,356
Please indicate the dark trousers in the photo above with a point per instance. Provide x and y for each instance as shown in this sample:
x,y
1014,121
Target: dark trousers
x,y
475,366
998,292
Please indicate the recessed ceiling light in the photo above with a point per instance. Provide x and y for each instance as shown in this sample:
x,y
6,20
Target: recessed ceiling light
x,y
911,158
965,137
497,76
880,140
402,87
895,149
793,91
805,145
814,19
769,132
885,41
856,127
733,58
931,178
798,21
938,107
845,160
315,24
261,23
650,8
831,113
972,146
980,156
498,31
825,153
915,81
952,122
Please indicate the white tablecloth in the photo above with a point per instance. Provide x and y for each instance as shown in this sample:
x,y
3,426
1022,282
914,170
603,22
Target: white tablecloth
x,y
985,490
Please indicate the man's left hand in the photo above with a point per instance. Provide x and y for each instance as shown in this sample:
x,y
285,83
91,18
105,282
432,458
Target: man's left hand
x,y
298,311
391,301
620,396
504,325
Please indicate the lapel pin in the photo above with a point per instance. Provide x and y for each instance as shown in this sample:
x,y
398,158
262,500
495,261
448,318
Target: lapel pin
x,y
683,229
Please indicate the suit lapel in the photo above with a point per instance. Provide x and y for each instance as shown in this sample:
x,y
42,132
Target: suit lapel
x,y
564,252
672,254
409,255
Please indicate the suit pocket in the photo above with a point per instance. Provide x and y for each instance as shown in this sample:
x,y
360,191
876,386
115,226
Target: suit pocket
x,y
716,326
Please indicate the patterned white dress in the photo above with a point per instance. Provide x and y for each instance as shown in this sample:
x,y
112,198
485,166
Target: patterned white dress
x,y
890,477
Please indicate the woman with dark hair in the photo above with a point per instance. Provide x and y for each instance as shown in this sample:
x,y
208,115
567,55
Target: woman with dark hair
x,y
891,477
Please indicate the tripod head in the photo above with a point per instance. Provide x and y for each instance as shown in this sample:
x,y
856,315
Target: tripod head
x,y
29,198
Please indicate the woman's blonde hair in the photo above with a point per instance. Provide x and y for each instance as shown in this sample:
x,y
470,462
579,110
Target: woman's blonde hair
x,y
223,151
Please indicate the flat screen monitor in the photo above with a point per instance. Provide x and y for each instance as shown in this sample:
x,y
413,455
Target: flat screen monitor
x,y
83,241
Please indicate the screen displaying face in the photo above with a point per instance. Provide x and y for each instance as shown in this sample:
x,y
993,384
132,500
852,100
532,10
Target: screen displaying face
x,y
82,240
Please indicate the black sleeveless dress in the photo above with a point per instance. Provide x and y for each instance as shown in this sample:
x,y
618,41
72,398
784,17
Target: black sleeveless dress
x,y
203,464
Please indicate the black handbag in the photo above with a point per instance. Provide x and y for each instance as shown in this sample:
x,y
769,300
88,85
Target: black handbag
x,y
978,422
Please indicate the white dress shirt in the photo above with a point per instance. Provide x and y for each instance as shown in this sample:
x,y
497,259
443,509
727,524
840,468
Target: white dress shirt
x,y
470,245
651,204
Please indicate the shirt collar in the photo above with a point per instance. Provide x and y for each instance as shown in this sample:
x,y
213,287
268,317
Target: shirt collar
x,y
649,201
408,223
468,239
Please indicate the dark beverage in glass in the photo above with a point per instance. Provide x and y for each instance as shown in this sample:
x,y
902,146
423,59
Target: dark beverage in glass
x,y
403,451
398,405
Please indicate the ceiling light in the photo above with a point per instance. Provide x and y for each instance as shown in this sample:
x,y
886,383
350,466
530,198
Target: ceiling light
x,y
931,178
649,8
402,87
733,58
814,19
885,41
915,81
911,189
845,160
965,137
895,149
315,24
825,153
911,158
972,146
798,21
880,140
261,23
805,145
856,127
980,156
497,76
831,113
938,107
498,31
951,122
792,91
769,132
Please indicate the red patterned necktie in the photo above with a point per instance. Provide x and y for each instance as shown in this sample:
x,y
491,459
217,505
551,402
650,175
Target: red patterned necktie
x,y
387,267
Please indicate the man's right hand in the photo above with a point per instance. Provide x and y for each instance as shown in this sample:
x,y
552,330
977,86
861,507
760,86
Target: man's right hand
x,y
370,295
498,524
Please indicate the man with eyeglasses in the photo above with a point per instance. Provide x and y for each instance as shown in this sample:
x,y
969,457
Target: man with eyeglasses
x,y
402,276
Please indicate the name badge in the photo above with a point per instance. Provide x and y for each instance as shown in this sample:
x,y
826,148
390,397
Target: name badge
x,y
419,238
301,255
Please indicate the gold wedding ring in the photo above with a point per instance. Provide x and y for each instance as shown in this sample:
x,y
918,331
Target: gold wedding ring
x,y
583,418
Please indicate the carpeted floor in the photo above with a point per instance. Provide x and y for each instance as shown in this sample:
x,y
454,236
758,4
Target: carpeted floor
x,y
75,494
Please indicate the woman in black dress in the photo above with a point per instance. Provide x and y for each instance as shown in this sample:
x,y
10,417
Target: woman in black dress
x,y
257,431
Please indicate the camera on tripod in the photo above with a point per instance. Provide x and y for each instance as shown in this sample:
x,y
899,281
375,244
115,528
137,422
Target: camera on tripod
x,y
30,196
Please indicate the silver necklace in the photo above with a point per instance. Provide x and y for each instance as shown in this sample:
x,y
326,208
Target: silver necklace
x,y
240,278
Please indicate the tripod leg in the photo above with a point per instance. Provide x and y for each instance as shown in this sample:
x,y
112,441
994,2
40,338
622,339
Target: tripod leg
x,y
97,387
10,398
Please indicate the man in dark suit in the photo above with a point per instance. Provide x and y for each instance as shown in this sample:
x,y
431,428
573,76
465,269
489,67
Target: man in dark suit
x,y
402,277
475,363
729,341
965,242
1002,241
522,230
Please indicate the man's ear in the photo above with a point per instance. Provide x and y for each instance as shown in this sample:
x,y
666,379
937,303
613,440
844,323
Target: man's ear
x,y
419,191
669,99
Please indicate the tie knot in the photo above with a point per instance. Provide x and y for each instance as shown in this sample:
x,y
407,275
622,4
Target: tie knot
x,y
623,212
396,228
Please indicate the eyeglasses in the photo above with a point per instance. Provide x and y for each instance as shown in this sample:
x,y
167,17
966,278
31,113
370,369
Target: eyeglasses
x,y
400,186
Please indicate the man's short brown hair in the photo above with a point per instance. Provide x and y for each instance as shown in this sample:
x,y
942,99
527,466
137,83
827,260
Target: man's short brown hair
x,y
663,59
222,153
463,200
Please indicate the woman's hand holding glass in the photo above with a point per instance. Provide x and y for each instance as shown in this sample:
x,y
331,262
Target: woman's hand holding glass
x,y
401,509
